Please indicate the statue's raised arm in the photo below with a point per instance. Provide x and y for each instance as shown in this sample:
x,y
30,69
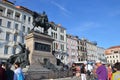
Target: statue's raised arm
x,y
23,47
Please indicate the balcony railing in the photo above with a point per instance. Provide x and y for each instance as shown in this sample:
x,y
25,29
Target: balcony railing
x,y
9,15
1,13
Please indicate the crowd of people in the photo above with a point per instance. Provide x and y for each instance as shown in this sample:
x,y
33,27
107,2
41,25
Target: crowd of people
x,y
86,71
97,71
7,74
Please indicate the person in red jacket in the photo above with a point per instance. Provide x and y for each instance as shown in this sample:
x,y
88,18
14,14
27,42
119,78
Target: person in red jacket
x,y
109,72
2,72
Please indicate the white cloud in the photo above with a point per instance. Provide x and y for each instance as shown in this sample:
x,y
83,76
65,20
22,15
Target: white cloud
x,y
64,10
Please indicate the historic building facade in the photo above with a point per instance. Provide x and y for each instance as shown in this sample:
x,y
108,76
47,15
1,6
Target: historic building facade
x,y
82,50
72,48
15,23
113,54
91,51
101,54
58,33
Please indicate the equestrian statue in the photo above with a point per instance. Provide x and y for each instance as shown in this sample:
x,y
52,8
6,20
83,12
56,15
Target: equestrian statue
x,y
41,20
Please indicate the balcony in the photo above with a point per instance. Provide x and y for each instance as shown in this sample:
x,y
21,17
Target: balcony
x,y
9,16
10,13
17,16
1,13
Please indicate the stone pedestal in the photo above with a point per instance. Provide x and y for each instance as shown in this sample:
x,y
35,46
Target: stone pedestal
x,y
40,47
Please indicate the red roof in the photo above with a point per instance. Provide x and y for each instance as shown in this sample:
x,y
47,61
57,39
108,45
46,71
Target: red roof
x,y
114,47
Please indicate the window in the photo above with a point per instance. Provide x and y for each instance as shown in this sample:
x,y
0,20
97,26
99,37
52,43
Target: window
x,y
113,56
29,19
117,60
61,37
52,34
14,50
113,61
28,30
16,26
62,47
15,37
116,56
110,61
6,50
115,51
1,11
53,46
17,16
7,36
22,39
56,35
9,13
9,24
0,22
23,28
62,30
24,17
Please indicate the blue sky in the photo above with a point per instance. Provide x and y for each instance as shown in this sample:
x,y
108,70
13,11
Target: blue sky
x,y
96,20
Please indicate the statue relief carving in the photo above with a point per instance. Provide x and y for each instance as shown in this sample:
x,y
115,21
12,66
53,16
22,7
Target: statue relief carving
x,y
22,57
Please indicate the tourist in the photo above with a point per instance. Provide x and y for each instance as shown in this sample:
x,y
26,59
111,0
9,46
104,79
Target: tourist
x,y
83,72
2,72
89,69
101,71
94,72
18,74
77,71
73,69
109,72
116,74
9,72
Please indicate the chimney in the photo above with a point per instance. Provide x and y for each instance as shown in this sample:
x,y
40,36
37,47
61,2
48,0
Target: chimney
x,y
59,25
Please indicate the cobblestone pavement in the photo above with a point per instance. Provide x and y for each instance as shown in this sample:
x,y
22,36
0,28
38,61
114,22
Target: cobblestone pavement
x,y
72,78
69,78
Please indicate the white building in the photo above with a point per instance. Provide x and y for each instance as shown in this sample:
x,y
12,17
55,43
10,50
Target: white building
x,y
101,54
15,23
91,51
113,54
59,45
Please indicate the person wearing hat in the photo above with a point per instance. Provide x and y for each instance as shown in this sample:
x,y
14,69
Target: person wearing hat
x,y
2,72
116,75
101,71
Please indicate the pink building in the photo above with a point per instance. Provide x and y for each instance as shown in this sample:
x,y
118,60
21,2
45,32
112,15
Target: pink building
x,y
72,46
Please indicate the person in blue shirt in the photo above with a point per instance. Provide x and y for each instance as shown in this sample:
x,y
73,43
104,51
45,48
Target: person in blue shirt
x,y
18,74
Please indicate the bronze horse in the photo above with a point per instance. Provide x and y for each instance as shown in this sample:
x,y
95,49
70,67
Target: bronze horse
x,y
41,20
22,57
